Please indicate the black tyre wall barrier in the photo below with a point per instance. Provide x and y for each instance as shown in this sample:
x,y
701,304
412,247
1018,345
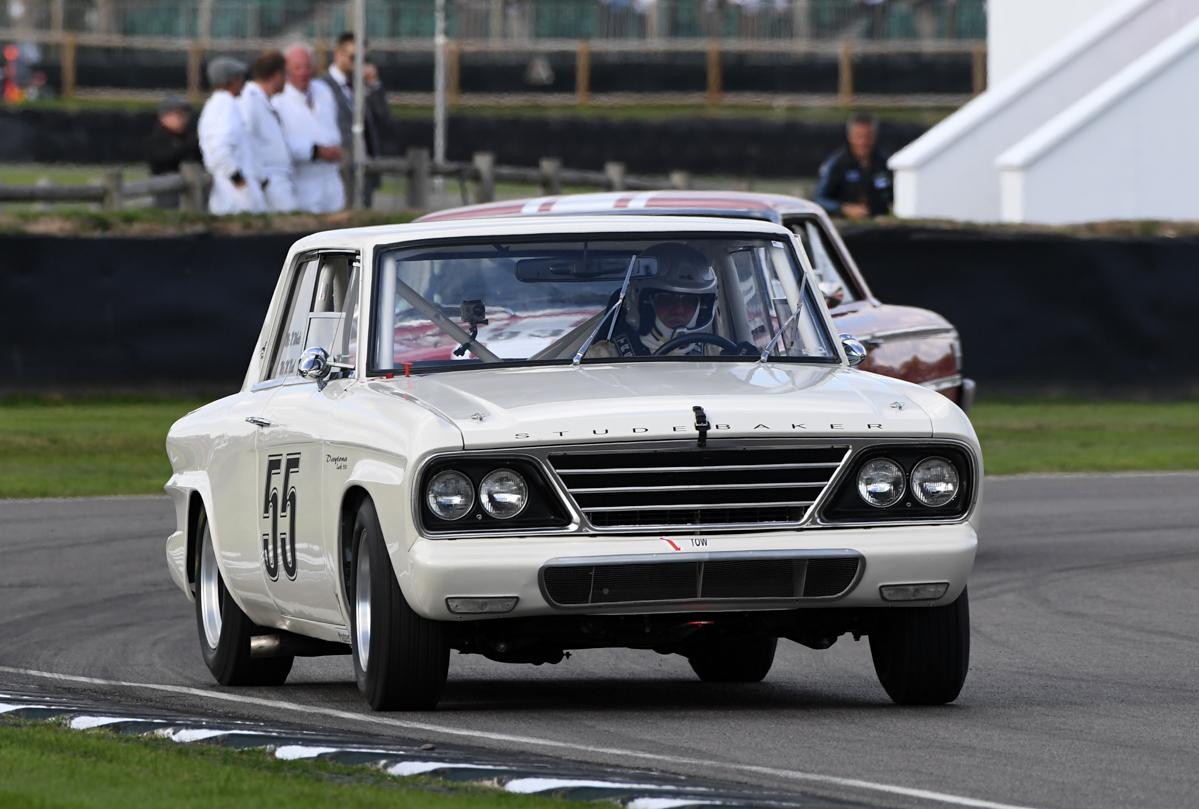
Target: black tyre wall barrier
x,y
1036,312
755,147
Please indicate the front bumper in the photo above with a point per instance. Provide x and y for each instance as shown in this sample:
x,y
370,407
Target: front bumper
x,y
502,567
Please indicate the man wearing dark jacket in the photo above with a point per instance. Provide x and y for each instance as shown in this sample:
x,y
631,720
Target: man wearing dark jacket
x,y
377,119
855,182
172,142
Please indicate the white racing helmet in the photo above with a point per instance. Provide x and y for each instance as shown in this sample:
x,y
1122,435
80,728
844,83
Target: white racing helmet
x,y
680,270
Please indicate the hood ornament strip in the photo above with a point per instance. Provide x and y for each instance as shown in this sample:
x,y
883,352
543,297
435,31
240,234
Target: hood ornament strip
x,y
701,425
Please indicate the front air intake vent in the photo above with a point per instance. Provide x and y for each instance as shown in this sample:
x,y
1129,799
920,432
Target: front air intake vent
x,y
711,579
694,488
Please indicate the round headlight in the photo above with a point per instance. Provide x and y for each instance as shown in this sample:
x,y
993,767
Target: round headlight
x,y
503,493
450,495
934,482
880,483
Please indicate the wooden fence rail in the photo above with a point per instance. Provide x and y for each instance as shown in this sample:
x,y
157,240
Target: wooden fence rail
x,y
477,182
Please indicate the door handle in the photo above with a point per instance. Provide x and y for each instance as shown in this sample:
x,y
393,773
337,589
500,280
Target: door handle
x,y
258,422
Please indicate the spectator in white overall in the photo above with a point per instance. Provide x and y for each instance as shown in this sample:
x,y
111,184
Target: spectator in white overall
x,y
309,114
223,143
264,133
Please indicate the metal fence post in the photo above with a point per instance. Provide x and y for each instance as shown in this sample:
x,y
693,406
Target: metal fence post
x,y
192,199
484,163
419,172
680,180
551,168
614,171
113,184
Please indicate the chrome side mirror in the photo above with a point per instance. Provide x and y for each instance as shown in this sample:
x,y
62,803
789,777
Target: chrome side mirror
x,y
314,364
855,352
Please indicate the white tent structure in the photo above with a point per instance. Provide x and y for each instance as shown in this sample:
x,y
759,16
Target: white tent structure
x,y
1098,124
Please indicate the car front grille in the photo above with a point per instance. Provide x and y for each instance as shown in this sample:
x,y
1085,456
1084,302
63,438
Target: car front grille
x,y
709,580
664,489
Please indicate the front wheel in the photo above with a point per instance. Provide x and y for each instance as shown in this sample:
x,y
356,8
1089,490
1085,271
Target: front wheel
x,y
400,658
225,631
733,660
921,654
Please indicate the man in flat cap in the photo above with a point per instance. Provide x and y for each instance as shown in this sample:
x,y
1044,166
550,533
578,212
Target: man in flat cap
x,y
309,116
264,130
236,185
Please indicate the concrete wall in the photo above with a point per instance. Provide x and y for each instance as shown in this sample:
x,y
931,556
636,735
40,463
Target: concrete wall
x,y
1125,151
951,173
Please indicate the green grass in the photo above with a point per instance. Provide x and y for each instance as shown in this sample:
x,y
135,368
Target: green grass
x,y
85,447
45,765
104,446
1075,436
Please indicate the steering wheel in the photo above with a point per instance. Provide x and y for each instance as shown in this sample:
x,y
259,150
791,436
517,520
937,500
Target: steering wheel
x,y
686,339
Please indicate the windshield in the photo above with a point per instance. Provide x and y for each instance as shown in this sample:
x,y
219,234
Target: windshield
x,y
596,300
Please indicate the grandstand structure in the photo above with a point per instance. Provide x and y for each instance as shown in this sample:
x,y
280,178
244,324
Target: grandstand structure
x,y
469,20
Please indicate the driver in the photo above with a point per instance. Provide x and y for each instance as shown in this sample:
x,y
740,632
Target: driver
x,y
679,299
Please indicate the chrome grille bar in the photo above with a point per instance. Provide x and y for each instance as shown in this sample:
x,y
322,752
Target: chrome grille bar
x,y
682,487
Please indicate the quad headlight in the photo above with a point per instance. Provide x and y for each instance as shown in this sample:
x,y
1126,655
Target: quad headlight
x,y
935,482
503,493
450,495
881,482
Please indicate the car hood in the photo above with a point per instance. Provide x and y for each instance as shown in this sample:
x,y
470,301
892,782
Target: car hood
x,y
593,403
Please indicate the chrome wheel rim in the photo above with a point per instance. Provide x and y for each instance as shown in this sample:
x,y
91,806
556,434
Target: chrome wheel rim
x,y
362,603
210,592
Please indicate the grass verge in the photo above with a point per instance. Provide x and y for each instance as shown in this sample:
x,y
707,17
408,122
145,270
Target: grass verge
x,y
91,447
45,765
1077,436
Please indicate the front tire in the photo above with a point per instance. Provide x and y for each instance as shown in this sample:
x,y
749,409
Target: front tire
x,y
401,659
733,660
921,654
225,631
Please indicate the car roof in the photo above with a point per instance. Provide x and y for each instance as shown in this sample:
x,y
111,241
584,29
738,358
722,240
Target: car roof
x,y
731,203
366,237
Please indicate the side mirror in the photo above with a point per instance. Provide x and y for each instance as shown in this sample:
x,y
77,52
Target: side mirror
x,y
314,364
855,352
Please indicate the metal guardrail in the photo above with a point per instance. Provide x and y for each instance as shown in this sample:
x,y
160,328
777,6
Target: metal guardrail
x,y
477,178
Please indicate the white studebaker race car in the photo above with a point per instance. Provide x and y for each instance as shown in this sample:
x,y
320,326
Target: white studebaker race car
x,y
517,438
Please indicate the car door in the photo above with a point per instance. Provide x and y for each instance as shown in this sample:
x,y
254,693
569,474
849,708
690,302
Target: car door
x,y
297,538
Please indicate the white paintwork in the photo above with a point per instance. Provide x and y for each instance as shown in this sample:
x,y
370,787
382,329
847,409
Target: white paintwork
x,y
371,432
1019,31
950,171
1121,152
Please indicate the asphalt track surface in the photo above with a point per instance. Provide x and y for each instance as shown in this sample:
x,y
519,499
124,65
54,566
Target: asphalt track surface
x,y
1083,687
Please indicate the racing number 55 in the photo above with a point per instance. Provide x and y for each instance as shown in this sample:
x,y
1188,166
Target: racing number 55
x,y
280,503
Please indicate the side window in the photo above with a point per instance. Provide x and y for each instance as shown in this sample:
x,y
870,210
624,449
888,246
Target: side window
x,y
321,312
824,259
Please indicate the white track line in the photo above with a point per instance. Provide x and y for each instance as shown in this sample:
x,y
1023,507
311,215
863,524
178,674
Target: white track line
x,y
470,734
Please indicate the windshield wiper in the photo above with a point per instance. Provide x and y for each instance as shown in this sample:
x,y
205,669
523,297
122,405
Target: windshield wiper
x,y
782,329
624,287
